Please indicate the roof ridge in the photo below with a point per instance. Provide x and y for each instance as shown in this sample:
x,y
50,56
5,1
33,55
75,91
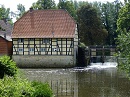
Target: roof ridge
x,y
46,9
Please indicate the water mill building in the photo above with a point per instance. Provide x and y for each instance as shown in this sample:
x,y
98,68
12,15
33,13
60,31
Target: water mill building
x,y
45,38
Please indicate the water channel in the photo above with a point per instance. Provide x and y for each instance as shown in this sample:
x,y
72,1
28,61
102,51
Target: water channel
x,y
96,80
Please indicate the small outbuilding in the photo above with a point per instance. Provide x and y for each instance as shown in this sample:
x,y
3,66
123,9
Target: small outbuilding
x,y
5,38
5,47
45,38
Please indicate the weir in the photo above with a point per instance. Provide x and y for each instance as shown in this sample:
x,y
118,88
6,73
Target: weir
x,y
96,54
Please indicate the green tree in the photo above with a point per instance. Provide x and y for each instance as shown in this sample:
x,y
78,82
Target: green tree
x,y
44,4
109,14
21,10
123,23
91,30
109,17
123,40
82,3
76,6
5,14
69,6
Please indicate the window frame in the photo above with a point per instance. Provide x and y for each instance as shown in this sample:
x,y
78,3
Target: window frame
x,y
43,49
31,49
21,40
45,40
20,49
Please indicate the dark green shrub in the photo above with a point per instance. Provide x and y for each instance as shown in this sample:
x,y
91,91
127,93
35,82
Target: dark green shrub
x,y
19,87
15,87
82,45
7,66
42,90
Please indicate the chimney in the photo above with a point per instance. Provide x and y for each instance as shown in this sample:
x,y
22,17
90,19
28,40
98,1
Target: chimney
x,y
31,17
31,9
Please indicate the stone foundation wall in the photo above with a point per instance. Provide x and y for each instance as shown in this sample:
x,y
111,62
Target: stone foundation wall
x,y
44,61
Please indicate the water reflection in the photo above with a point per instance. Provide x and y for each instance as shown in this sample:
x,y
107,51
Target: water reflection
x,y
84,82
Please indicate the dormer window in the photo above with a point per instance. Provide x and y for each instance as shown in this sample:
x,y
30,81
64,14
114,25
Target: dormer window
x,y
20,40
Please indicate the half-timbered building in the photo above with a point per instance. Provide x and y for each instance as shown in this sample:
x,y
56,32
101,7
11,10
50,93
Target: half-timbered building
x,y
45,38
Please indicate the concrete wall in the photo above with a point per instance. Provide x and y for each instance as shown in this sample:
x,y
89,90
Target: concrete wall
x,y
39,61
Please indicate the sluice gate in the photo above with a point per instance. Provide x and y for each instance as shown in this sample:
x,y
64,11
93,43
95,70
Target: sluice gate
x,y
98,53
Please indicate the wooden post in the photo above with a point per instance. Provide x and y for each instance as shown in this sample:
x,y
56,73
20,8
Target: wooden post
x,y
103,54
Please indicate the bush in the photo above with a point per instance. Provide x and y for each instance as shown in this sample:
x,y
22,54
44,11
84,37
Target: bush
x,y
82,45
15,87
42,90
18,87
7,66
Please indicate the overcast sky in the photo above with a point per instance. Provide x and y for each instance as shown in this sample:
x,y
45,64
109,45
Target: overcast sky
x,y
12,4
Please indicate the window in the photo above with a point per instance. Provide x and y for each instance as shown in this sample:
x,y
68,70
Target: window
x,y
20,49
31,49
31,39
55,49
20,40
43,49
46,40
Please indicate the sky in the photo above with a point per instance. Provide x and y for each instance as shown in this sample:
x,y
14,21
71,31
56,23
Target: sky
x,y
12,4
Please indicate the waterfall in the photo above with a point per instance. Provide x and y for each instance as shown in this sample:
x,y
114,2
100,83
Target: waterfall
x,y
109,62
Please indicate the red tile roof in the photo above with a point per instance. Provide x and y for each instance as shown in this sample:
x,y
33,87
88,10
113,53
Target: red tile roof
x,y
45,24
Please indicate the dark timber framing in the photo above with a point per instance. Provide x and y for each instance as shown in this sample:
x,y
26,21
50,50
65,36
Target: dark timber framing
x,y
45,46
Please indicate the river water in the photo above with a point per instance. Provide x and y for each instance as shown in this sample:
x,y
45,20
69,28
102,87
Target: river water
x,y
96,80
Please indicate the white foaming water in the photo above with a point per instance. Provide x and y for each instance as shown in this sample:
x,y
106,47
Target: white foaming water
x,y
103,65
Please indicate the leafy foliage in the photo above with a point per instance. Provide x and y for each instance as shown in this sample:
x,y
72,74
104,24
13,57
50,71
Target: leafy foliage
x,y
19,87
15,86
69,6
91,30
41,90
44,4
124,51
8,66
109,17
123,40
12,87
21,10
124,19
5,14
109,14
